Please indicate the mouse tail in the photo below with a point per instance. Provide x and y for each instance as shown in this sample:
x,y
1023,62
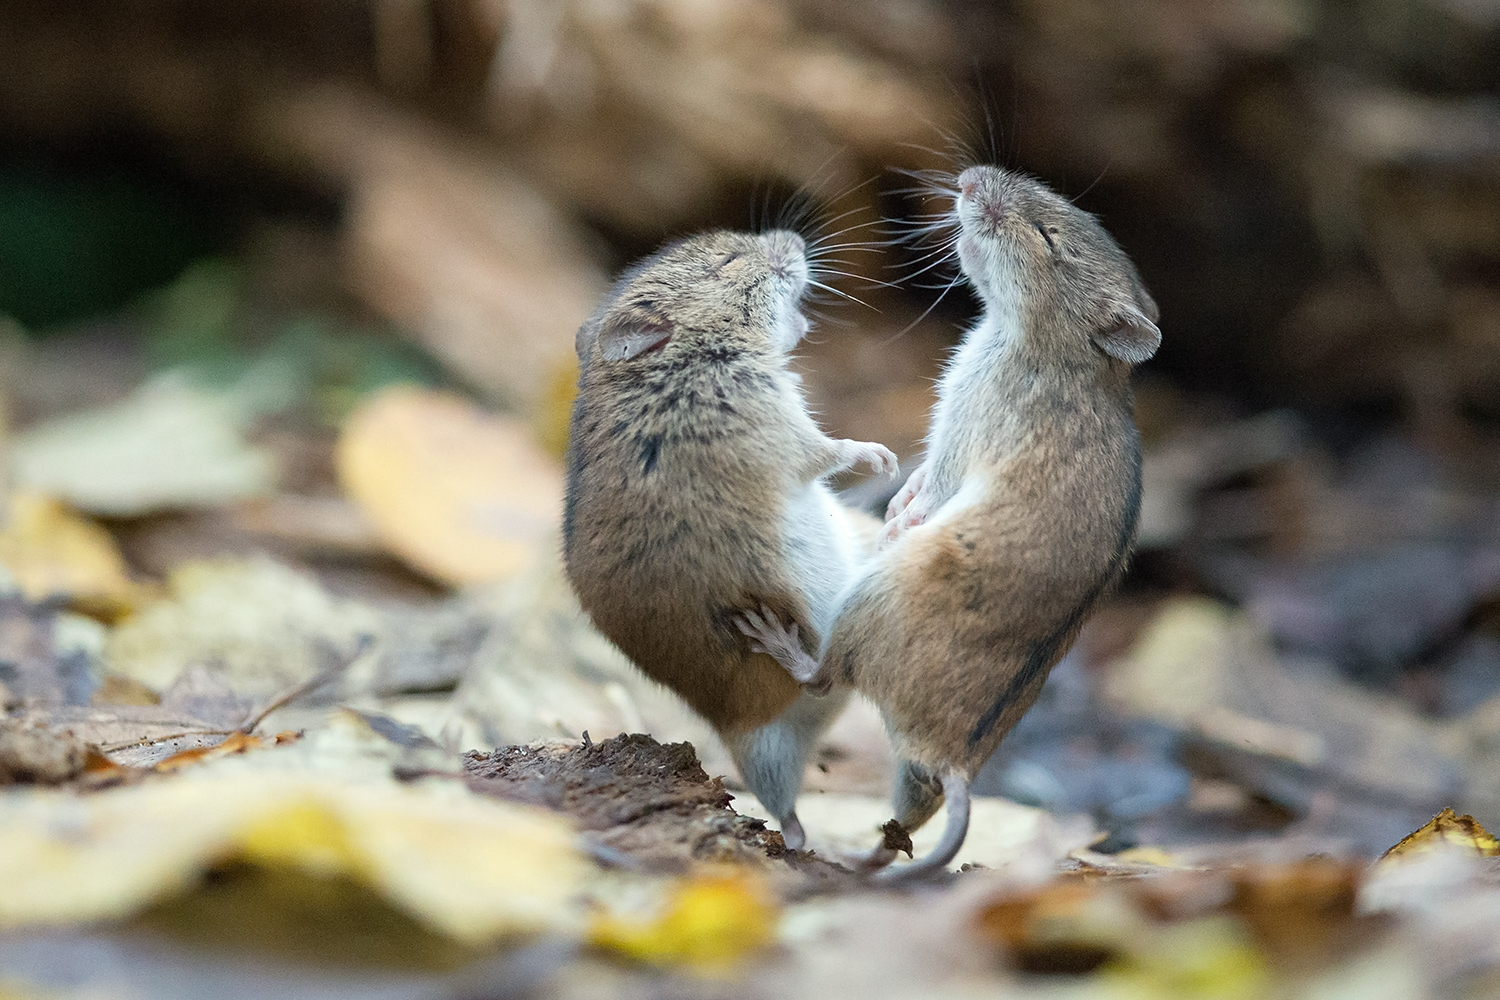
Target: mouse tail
x,y
956,799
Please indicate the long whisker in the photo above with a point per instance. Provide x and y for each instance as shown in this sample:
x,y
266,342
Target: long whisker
x,y
929,260
814,283
928,311
864,279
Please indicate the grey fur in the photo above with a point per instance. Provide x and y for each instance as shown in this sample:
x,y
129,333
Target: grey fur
x,y
1025,511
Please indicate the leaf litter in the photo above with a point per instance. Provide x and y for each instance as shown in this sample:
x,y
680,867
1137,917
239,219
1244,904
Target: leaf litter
x,y
320,695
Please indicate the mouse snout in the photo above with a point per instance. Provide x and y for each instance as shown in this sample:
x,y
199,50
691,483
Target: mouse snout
x,y
787,253
982,198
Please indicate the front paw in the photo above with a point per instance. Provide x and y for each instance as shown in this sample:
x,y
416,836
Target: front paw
x,y
907,493
912,515
881,460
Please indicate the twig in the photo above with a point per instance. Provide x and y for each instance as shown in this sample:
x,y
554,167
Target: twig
x,y
303,687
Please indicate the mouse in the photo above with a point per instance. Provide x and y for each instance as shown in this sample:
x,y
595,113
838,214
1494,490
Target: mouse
x,y
1019,520
696,491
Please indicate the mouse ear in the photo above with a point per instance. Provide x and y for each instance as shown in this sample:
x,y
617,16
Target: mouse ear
x,y
630,337
1129,336
1147,303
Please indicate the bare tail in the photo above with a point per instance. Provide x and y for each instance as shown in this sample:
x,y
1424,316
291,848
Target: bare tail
x,y
956,795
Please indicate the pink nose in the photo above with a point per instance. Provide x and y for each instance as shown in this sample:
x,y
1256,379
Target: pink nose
x,y
968,181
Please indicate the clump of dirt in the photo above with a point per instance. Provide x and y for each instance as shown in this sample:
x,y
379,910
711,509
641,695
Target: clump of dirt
x,y
651,802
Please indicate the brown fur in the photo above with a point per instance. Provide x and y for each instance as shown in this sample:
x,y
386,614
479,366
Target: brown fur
x,y
681,463
1031,490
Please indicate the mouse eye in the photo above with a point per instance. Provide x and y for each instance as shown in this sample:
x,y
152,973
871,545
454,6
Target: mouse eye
x,y
1047,234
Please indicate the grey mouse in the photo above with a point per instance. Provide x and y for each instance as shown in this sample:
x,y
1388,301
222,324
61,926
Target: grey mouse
x,y
695,492
1022,516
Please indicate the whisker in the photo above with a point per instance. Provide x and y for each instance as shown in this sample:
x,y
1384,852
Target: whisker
x,y
812,282
865,279
928,311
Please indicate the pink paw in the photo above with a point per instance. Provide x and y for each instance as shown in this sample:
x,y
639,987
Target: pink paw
x,y
907,493
767,635
911,516
881,460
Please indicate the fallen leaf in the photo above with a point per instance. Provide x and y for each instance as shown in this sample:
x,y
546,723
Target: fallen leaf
x,y
236,742
1208,959
114,689
1068,926
1446,831
1287,732
544,672
110,726
170,446
52,552
263,624
709,922
462,495
467,867
204,692
1302,912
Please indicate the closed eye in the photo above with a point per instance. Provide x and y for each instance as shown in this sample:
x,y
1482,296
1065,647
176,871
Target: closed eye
x,y
1047,235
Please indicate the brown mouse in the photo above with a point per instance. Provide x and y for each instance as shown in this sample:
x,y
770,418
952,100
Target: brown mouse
x,y
695,491
1021,518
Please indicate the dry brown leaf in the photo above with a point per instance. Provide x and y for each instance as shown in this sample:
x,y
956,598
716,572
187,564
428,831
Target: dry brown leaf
x,y
1302,911
236,742
1447,831
462,495
1065,926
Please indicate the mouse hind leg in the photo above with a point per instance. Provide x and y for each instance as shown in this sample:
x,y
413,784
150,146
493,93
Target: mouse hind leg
x,y
955,792
914,799
772,757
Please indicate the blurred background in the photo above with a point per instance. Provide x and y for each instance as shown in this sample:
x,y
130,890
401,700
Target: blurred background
x,y
227,231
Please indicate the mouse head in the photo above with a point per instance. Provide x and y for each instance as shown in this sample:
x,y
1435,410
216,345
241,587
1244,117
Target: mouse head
x,y
709,291
1032,253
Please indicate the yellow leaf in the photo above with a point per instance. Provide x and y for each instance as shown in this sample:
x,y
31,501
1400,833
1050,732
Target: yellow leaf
x,y
1207,959
469,868
1149,856
52,551
302,835
1447,830
708,922
461,495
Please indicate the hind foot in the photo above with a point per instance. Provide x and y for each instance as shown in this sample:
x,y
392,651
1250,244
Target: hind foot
x,y
768,635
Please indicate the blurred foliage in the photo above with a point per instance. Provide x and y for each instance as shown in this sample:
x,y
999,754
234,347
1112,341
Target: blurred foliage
x,y
314,360
73,246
